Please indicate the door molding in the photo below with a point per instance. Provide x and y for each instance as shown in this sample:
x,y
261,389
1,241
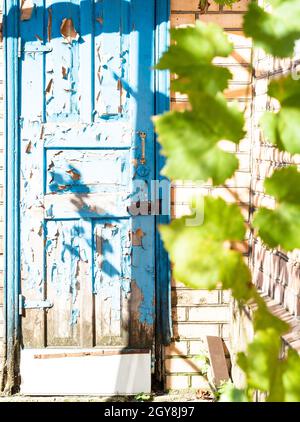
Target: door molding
x,y
162,104
11,191
12,187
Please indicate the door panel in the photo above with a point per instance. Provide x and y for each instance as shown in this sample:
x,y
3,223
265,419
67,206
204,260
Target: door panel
x,y
86,94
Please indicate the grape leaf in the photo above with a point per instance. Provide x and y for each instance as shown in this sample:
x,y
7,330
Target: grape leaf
x,y
190,140
283,128
291,377
263,319
276,30
262,366
190,58
281,226
200,254
226,2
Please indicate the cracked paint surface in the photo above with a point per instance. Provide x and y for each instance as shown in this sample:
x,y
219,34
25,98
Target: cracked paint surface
x,y
86,96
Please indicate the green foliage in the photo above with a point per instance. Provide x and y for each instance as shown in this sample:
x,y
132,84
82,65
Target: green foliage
x,y
283,128
198,45
142,397
186,137
226,2
187,246
227,392
207,255
290,377
262,366
193,136
204,4
274,30
203,363
281,226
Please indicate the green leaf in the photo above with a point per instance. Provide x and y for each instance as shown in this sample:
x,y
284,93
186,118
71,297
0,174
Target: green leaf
x,y
202,78
190,58
262,366
281,226
224,121
263,319
190,140
226,2
277,30
291,377
284,185
283,128
200,254
229,393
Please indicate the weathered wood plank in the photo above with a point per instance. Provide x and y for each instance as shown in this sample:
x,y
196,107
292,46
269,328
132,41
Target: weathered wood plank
x,y
217,360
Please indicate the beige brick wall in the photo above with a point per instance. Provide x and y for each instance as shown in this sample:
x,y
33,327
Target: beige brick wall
x,y
275,273
198,313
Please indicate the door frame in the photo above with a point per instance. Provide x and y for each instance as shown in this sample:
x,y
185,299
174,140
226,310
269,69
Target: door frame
x,y
12,187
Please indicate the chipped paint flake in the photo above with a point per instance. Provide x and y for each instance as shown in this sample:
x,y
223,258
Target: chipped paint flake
x,y
28,147
26,10
100,20
49,25
137,237
49,86
74,316
64,72
74,174
68,31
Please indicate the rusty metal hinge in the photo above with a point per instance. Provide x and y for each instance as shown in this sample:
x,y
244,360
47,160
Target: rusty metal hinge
x,y
33,304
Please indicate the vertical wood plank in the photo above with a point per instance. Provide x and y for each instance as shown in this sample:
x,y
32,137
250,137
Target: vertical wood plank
x,y
86,57
31,212
107,261
63,285
108,59
85,285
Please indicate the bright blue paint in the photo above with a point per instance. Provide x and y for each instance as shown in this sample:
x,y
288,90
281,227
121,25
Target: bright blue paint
x,y
162,92
87,171
110,132
11,232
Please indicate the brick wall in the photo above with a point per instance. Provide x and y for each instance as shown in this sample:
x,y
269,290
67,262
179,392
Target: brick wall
x,y
275,273
198,313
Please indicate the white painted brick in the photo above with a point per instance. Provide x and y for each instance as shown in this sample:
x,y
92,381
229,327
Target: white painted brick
x,y
187,365
209,313
195,331
190,297
177,382
179,348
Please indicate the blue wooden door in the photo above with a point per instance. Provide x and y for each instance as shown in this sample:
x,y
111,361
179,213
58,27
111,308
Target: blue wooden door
x,y
87,161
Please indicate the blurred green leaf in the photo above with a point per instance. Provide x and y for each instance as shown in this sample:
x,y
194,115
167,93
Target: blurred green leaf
x,y
275,29
283,128
190,140
190,58
229,393
291,377
281,226
201,255
262,366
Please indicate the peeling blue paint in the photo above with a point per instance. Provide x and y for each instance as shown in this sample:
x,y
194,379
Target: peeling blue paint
x,y
79,148
74,316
